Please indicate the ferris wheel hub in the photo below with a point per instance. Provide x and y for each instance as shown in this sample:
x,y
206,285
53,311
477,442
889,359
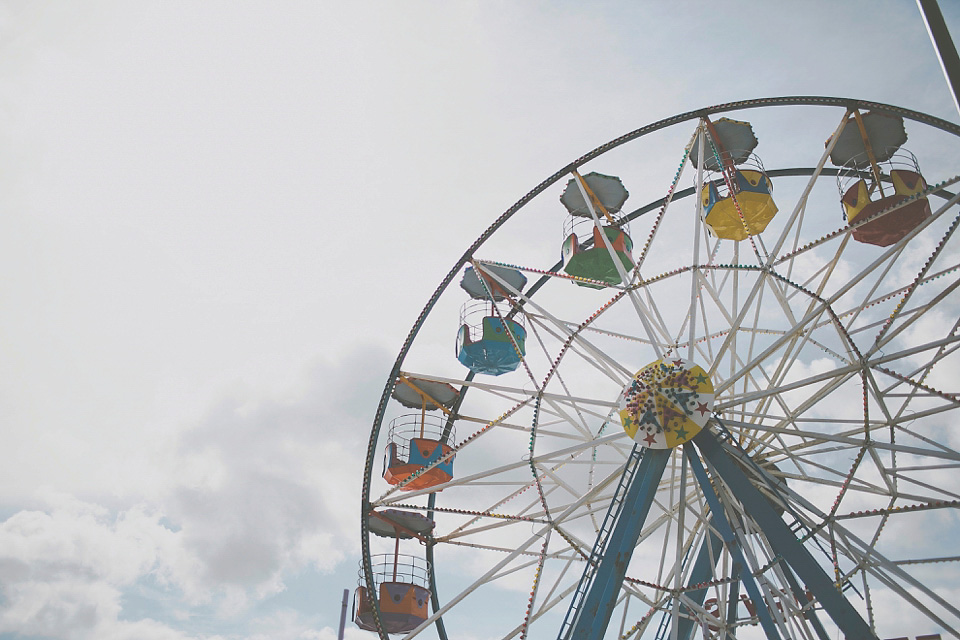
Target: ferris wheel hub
x,y
666,403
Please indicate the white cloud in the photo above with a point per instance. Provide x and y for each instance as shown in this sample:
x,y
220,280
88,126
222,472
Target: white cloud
x,y
62,572
288,474
290,625
285,474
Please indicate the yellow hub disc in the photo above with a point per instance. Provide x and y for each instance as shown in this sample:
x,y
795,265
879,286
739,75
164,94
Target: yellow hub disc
x,y
667,403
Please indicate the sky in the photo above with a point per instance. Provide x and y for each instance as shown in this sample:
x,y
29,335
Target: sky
x,y
218,221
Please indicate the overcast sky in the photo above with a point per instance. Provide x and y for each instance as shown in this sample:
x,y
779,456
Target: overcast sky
x,y
218,220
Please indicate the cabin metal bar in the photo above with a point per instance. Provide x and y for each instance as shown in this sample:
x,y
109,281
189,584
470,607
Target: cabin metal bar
x,y
784,543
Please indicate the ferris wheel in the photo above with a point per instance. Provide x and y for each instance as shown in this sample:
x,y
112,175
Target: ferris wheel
x,y
727,410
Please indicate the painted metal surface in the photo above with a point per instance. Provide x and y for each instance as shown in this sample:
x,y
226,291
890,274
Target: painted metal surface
x,y
943,44
606,191
703,568
666,403
397,523
726,532
603,535
590,622
497,223
592,261
884,133
489,286
414,393
343,613
783,541
702,571
735,137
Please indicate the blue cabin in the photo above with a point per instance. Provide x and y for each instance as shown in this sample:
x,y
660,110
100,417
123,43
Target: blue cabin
x,y
496,349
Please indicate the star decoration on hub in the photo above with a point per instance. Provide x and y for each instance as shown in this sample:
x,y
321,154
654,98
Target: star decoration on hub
x,y
666,403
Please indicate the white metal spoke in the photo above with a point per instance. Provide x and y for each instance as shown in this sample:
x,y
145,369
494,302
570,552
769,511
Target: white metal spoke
x,y
834,367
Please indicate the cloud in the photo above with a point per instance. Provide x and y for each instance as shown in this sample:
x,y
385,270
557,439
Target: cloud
x,y
290,625
263,488
285,480
62,572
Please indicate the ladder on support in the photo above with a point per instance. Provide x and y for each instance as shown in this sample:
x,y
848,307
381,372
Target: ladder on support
x,y
603,535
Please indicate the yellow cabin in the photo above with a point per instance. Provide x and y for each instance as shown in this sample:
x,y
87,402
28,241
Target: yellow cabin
x,y
751,198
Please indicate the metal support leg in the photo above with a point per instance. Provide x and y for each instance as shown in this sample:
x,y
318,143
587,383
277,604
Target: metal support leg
x,y
702,571
783,541
723,526
733,598
590,621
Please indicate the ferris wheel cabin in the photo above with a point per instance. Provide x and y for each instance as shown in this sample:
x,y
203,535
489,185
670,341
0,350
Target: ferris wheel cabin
x,y
880,183
402,581
491,339
737,195
595,237
494,346
417,454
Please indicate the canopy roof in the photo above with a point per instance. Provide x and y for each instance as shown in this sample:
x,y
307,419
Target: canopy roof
x,y
886,134
382,523
608,189
439,392
472,285
734,137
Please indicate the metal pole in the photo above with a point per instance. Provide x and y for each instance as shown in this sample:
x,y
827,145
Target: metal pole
x,y
343,613
782,539
726,531
703,570
943,45
590,621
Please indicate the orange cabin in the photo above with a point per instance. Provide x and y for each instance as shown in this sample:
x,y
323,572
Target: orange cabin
x,y
417,452
403,607
421,452
403,591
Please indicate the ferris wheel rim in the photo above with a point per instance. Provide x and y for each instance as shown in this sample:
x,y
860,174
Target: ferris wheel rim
x,y
560,174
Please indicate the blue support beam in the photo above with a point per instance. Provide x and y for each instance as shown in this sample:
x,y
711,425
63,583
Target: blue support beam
x,y
726,531
703,568
733,597
591,619
782,540
801,596
810,614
